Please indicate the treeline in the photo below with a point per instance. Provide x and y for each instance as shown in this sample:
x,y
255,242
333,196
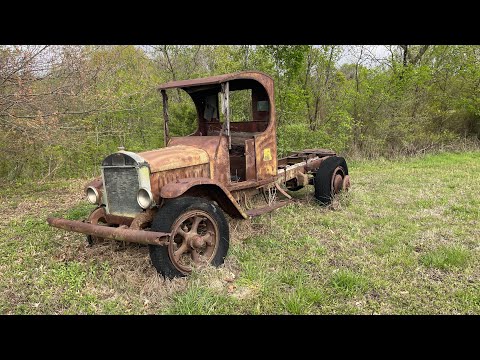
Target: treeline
x,y
63,108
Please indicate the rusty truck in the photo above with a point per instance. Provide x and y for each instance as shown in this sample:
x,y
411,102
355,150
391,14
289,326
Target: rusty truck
x,y
175,199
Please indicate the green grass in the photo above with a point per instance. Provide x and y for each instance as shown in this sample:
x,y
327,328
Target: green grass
x,y
404,240
349,283
446,257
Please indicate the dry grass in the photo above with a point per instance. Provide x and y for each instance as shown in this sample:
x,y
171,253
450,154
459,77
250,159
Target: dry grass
x,y
405,240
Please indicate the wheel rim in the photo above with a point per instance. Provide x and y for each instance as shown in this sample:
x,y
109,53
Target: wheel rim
x,y
194,240
337,180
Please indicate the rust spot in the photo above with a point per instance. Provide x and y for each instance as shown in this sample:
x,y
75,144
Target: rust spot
x,y
96,183
174,157
121,233
143,219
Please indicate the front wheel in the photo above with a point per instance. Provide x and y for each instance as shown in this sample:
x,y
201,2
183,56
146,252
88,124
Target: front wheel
x,y
96,217
199,235
331,178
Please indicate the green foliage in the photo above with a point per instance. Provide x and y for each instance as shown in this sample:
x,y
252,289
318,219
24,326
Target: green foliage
x,y
240,105
288,59
199,301
348,282
92,99
446,257
182,117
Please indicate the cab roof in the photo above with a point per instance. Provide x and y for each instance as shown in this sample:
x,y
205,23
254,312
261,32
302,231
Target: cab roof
x,y
217,79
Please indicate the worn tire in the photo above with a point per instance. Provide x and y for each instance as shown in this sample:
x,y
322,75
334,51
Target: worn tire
x,y
323,178
165,218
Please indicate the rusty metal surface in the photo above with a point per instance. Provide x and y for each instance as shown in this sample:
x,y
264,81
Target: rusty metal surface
x,y
143,219
290,172
97,183
218,79
249,184
337,180
304,155
282,163
281,191
302,179
118,220
318,152
237,168
346,182
314,163
266,142
262,90
114,233
175,189
174,157
166,131
159,179
250,170
204,187
219,166
254,126
259,211
97,216
195,240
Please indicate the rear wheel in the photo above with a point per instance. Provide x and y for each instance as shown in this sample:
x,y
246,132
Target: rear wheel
x,y
329,179
199,236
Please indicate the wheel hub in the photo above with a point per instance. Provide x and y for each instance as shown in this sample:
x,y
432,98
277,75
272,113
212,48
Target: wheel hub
x,y
337,183
195,240
337,180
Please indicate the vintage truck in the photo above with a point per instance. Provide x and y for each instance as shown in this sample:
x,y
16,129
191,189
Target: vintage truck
x,y
174,199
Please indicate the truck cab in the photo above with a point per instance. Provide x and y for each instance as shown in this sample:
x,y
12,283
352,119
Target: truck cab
x,y
242,150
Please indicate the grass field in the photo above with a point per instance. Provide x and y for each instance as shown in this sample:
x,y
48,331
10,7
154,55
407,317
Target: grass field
x,y
404,240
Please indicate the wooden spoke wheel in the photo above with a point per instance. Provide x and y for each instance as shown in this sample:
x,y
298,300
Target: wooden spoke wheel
x,y
199,236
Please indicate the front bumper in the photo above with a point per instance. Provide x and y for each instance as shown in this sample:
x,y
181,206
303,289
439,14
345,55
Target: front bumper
x,y
121,233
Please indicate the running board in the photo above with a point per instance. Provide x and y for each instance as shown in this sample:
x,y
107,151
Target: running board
x,y
259,211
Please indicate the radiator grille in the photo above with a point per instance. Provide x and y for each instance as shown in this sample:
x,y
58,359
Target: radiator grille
x,y
121,185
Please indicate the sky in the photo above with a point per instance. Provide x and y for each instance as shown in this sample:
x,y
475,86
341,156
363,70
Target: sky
x,y
373,54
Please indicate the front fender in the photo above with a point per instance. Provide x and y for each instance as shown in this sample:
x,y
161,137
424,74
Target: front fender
x,y
204,187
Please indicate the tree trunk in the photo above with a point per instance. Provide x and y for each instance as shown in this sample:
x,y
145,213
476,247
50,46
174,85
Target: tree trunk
x,y
171,68
405,54
357,127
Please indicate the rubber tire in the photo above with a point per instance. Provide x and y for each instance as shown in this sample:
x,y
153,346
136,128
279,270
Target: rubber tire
x,y
164,220
323,178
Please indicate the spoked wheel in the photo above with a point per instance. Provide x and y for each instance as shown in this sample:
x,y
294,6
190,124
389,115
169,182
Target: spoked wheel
x,y
331,178
199,236
195,239
96,217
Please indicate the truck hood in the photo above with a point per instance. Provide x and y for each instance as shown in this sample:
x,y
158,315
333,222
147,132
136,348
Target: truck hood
x,y
174,157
